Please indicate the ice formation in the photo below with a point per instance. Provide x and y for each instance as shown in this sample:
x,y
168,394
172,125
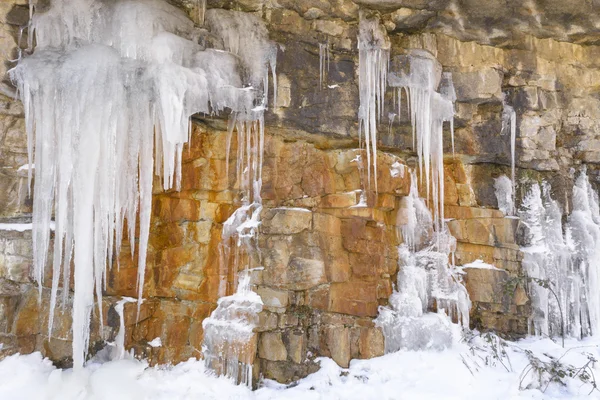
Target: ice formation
x,y
374,56
426,282
115,350
323,62
563,260
108,94
431,97
229,338
503,188
509,120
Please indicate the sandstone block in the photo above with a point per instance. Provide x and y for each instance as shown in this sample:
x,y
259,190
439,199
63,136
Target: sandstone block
x,y
338,343
485,285
267,321
318,298
295,342
271,347
326,223
372,343
339,200
329,27
355,298
480,85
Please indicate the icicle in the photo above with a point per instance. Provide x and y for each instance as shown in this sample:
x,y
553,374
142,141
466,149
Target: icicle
x,y
246,35
201,6
391,118
449,93
513,138
119,353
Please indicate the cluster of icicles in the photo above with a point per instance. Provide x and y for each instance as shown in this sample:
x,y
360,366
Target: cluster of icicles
x,y
108,94
563,259
430,98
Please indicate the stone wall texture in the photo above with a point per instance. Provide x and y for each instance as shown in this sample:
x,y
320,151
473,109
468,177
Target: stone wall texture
x,y
327,265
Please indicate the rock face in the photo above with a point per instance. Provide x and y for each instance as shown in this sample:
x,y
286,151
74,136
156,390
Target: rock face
x,y
328,264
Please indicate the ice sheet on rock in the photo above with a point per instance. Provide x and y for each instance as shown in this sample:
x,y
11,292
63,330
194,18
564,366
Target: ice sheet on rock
x,y
22,227
397,170
583,236
108,94
374,56
503,188
480,264
426,282
126,26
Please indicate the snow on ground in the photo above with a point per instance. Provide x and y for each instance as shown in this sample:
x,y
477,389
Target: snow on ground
x,y
403,375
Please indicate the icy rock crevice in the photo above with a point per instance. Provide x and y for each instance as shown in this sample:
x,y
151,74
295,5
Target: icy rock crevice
x,y
108,93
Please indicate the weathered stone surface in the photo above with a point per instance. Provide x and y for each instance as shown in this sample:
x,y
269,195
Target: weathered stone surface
x,y
295,341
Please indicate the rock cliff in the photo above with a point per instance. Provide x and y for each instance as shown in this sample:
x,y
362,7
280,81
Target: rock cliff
x,y
328,265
